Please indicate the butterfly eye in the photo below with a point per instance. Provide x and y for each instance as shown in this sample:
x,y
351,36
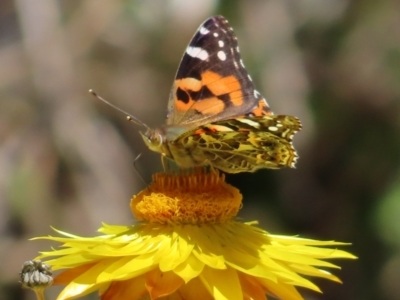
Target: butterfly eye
x,y
153,138
157,139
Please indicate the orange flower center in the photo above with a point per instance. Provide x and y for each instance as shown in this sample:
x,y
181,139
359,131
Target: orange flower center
x,y
194,198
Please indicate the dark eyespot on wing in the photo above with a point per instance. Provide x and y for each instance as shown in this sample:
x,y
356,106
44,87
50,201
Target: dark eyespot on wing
x,y
203,93
181,95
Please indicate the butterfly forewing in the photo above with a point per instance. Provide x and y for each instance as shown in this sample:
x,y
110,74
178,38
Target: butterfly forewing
x,y
212,83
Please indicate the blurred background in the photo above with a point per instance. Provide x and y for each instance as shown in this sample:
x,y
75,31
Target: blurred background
x,y
66,159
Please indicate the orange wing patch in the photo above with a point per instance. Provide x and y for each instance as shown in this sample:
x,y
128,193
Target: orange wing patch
x,y
209,95
219,86
262,109
189,84
209,106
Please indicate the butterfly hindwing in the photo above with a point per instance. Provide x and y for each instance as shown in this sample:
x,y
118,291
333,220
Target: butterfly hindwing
x,y
243,144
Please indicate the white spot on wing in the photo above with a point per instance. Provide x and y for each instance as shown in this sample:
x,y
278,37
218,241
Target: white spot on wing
x,y
249,122
248,76
241,63
273,128
215,34
221,55
256,93
221,43
204,30
220,128
197,52
237,49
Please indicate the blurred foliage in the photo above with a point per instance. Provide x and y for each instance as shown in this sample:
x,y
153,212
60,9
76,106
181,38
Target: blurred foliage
x,y
67,160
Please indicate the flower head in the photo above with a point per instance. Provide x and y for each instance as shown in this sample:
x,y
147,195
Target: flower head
x,y
188,246
36,276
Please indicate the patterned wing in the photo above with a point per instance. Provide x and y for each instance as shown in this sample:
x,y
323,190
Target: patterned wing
x,y
212,83
244,144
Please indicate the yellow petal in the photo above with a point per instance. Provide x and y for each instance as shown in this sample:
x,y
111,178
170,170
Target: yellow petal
x,y
194,290
161,284
178,253
281,290
284,254
222,284
77,290
251,288
312,271
189,269
251,265
206,249
127,289
70,274
128,267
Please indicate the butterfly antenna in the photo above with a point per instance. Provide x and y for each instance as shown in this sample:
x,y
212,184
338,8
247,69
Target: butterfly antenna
x,y
129,117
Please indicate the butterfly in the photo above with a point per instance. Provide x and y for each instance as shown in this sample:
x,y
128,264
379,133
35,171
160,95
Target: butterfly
x,y
215,116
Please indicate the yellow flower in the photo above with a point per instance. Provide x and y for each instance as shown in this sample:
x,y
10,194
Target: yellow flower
x,y
188,246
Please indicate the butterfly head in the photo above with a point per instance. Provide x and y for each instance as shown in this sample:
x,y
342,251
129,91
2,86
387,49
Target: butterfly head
x,y
154,139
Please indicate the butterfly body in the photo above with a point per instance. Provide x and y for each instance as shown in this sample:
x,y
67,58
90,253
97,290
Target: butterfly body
x,y
215,116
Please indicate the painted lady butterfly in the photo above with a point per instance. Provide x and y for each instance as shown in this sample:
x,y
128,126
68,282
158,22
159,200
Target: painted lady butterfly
x,y
215,116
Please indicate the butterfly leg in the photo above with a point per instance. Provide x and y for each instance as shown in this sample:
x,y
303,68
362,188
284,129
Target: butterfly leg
x,y
211,168
136,169
166,163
